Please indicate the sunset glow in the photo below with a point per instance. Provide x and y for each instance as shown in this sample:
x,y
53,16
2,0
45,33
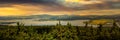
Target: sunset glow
x,y
73,0
57,7
11,11
83,1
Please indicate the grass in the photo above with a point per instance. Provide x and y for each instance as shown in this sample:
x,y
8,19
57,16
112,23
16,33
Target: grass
x,y
100,21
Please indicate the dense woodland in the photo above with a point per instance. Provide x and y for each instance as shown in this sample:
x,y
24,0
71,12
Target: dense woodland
x,y
59,32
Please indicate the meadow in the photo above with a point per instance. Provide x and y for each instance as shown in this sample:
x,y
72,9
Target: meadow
x,y
59,32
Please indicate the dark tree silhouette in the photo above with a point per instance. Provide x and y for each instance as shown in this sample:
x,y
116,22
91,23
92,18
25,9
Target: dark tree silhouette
x,y
86,24
100,27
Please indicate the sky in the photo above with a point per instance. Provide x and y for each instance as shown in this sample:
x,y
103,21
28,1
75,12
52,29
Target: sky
x,y
59,7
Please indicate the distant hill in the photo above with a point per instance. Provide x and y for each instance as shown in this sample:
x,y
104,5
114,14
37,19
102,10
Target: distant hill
x,y
60,17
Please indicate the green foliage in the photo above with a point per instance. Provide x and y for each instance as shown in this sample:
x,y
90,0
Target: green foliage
x,y
59,32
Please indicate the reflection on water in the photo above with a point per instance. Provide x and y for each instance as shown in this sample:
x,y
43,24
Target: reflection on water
x,y
39,23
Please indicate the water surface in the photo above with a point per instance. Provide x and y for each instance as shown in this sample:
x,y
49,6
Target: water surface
x,y
40,23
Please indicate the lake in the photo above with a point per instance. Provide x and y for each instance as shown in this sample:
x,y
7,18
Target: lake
x,y
41,23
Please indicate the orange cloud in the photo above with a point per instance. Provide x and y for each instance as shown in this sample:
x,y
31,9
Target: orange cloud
x,y
83,1
6,11
17,10
27,9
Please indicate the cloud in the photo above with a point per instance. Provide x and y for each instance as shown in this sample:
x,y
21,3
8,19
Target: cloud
x,y
54,7
29,9
93,4
73,4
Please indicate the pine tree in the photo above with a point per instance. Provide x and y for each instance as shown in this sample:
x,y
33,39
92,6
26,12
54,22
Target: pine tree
x,y
58,24
20,27
114,24
100,27
69,24
86,24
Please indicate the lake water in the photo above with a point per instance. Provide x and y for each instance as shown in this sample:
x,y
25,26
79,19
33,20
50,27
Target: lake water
x,y
40,23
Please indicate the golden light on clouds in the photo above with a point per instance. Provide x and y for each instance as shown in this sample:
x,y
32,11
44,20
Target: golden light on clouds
x,y
84,1
6,11
98,12
27,9
72,0
17,10
57,13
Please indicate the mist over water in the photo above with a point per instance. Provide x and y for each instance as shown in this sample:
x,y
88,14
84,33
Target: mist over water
x,y
42,23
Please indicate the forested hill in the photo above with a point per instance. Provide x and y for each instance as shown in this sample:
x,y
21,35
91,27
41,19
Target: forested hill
x,y
60,17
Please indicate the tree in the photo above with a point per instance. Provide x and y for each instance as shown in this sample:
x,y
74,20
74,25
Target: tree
x,y
114,24
19,27
100,27
59,23
69,24
86,24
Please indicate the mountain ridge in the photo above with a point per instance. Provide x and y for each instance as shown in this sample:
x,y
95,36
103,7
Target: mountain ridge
x,y
61,17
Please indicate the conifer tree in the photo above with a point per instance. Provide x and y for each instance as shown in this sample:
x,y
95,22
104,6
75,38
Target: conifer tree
x,y
69,24
100,27
86,24
59,23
